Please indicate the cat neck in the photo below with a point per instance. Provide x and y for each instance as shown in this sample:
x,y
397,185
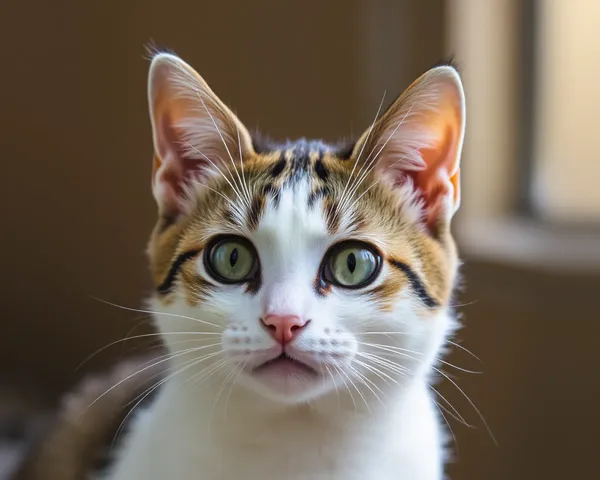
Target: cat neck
x,y
241,434
218,406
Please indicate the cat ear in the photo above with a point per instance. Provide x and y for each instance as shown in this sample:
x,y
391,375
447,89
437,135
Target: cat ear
x,y
417,143
195,134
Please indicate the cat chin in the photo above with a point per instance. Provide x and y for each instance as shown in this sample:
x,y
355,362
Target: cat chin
x,y
287,385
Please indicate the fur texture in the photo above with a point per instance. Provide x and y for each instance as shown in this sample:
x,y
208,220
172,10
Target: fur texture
x,y
86,423
348,397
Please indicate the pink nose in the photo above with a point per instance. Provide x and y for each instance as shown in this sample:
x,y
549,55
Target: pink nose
x,y
283,328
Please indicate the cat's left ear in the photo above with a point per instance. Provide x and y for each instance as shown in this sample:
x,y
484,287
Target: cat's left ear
x,y
419,140
196,136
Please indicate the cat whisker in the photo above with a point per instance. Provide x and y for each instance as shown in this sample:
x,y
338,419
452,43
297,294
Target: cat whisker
x,y
439,407
178,354
231,203
337,392
479,414
369,165
207,372
405,353
241,366
464,349
456,415
444,362
399,369
152,312
224,144
383,333
351,207
244,184
341,376
366,381
169,354
384,376
220,392
460,305
343,195
190,363
390,347
145,335
387,364
214,165
357,389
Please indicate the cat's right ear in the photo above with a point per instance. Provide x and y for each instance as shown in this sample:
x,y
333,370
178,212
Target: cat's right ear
x,y
195,135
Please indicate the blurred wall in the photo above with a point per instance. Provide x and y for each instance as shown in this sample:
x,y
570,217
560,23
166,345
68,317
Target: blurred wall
x,y
567,166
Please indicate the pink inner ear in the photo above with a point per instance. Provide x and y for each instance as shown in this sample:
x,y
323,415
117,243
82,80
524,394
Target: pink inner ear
x,y
173,168
440,175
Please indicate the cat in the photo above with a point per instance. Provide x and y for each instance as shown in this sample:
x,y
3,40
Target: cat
x,y
302,290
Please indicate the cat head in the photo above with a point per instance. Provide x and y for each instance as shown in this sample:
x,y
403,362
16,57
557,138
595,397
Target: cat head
x,y
303,267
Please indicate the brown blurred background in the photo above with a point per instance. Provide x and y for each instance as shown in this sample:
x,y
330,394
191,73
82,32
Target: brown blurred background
x,y
77,208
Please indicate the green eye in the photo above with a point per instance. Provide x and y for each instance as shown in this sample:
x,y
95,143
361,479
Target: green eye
x,y
352,265
232,260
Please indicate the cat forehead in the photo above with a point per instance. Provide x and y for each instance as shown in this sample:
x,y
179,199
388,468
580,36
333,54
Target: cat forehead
x,y
299,160
291,218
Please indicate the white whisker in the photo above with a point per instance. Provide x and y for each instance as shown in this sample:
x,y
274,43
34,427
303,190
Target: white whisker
x,y
342,196
244,184
366,381
190,363
141,310
145,335
404,352
479,414
384,376
456,415
224,144
369,165
178,354
357,389
219,393
214,165
337,392
241,369
340,374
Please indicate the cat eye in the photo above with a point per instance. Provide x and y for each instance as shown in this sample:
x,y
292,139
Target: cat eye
x,y
231,260
351,265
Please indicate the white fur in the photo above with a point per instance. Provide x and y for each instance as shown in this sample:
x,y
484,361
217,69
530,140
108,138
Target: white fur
x,y
220,423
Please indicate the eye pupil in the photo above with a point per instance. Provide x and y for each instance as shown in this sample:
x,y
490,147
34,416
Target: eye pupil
x,y
233,257
351,261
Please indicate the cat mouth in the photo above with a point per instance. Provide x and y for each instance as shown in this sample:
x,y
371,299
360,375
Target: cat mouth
x,y
285,364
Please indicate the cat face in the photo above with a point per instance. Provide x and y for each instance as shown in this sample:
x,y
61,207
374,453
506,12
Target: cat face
x,y
298,269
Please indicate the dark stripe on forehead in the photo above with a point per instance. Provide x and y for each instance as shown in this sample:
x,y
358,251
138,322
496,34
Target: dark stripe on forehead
x,y
167,285
255,212
320,170
323,192
416,284
272,191
279,167
332,216
300,160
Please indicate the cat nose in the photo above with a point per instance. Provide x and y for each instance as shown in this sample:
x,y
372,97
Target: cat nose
x,y
283,328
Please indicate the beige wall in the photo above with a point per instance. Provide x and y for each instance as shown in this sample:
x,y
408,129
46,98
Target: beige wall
x,y
483,36
567,157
